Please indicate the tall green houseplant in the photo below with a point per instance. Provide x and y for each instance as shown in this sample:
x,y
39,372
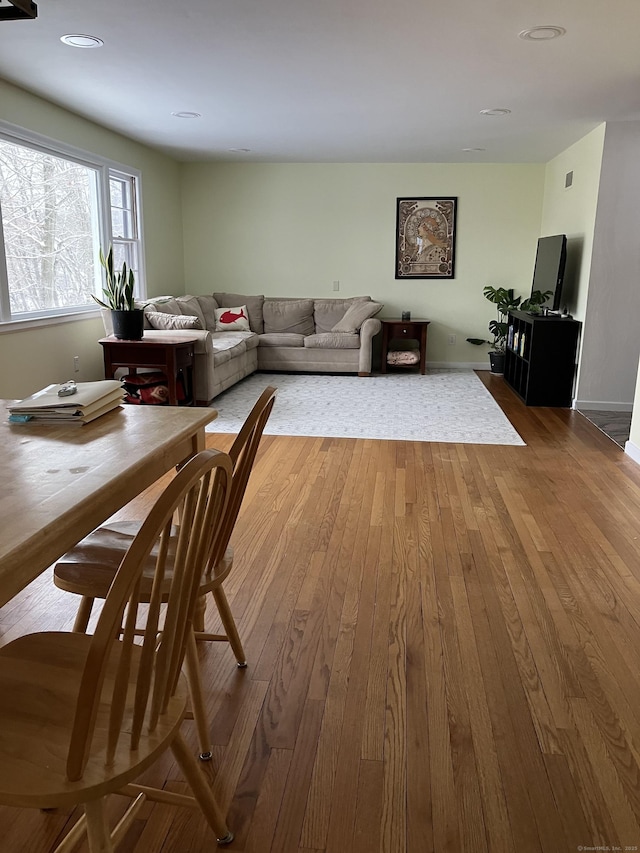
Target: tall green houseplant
x,y
118,289
505,300
128,321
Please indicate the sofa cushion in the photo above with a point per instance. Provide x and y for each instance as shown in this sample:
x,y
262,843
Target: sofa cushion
x,y
228,340
206,311
356,315
190,305
328,312
167,306
162,320
232,319
332,340
228,345
281,339
294,316
253,304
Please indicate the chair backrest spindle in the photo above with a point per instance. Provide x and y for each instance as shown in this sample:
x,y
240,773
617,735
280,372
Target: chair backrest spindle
x,y
243,453
203,483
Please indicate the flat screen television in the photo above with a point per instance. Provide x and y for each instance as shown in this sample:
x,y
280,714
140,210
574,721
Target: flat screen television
x,y
548,273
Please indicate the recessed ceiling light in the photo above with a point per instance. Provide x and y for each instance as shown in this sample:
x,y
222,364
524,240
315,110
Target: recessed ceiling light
x,y
239,150
542,33
77,40
495,111
187,114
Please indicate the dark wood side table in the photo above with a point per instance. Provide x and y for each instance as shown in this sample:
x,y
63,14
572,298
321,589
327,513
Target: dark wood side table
x,y
163,352
406,330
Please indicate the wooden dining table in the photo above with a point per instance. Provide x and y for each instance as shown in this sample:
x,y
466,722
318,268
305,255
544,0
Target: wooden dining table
x,y
58,483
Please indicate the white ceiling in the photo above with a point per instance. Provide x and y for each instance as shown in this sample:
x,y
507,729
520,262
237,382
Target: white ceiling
x,y
336,80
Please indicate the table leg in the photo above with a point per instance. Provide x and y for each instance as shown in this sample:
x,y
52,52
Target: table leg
x,y
423,350
385,348
171,376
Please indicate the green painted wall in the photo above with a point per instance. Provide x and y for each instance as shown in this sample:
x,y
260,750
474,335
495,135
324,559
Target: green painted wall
x,y
294,229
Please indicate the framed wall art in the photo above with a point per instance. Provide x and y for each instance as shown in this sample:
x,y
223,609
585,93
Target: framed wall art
x,y
426,237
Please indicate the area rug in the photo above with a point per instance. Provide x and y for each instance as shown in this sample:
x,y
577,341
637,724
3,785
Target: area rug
x,y
444,405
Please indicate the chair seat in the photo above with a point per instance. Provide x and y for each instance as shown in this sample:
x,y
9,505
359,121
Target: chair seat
x,y
88,568
40,675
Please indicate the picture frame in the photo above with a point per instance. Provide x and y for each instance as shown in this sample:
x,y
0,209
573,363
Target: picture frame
x,y
426,237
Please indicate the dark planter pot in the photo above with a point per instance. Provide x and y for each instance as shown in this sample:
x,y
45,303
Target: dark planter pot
x,y
496,360
128,325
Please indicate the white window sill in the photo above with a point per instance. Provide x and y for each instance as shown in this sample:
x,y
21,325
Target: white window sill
x,y
52,320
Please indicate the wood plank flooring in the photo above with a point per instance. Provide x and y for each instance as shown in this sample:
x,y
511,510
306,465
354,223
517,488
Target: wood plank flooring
x,y
443,645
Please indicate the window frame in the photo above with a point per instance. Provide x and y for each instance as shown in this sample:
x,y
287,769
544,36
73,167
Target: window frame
x,y
105,168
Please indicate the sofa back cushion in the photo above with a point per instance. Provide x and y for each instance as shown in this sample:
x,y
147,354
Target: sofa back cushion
x,y
328,312
165,304
207,306
294,316
190,306
253,303
356,315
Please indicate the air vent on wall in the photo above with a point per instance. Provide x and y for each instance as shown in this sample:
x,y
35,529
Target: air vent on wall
x,y
18,10
568,180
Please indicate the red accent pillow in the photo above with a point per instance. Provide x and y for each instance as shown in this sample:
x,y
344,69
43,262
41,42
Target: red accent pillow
x,y
150,389
228,319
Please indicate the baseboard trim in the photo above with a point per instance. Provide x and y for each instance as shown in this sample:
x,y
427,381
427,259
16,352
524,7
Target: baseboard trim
x,y
458,365
603,406
633,451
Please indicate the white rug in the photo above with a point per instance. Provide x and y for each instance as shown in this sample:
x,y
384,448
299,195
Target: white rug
x,y
444,405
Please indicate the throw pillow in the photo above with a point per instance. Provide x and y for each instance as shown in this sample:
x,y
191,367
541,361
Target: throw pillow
x,y
356,315
161,320
150,389
253,307
232,319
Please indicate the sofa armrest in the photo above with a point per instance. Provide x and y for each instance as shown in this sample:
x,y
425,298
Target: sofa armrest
x,y
368,331
202,337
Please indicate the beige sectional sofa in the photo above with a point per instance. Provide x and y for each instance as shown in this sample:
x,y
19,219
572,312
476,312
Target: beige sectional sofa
x,y
306,335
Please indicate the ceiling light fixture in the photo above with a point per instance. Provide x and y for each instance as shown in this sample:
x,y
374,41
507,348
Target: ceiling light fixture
x,y
187,114
78,40
495,111
473,149
542,33
239,150
19,11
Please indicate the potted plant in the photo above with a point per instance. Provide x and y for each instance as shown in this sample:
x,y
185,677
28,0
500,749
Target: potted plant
x,y
505,300
128,321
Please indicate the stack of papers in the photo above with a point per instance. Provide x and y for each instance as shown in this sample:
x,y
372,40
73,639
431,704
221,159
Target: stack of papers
x,y
91,400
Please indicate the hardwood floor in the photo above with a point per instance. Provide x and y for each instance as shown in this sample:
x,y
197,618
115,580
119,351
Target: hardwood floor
x,y
443,645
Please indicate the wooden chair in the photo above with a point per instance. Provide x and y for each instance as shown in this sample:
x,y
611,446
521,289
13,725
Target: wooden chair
x,y
82,716
88,568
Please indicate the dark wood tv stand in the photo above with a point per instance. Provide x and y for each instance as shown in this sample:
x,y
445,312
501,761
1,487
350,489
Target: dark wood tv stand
x,y
540,359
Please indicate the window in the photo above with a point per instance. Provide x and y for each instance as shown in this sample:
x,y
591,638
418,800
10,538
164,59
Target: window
x,y
124,221
56,209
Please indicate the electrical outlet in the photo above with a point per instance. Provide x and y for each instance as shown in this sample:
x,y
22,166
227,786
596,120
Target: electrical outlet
x,y
336,285
452,340
76,364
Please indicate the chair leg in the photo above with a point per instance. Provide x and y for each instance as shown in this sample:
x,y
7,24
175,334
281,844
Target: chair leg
x,y
197,699
198,613
97,829
83,615
201,790
226,616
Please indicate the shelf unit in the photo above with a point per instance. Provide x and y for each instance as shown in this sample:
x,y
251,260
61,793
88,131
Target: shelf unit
x,y
540,359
